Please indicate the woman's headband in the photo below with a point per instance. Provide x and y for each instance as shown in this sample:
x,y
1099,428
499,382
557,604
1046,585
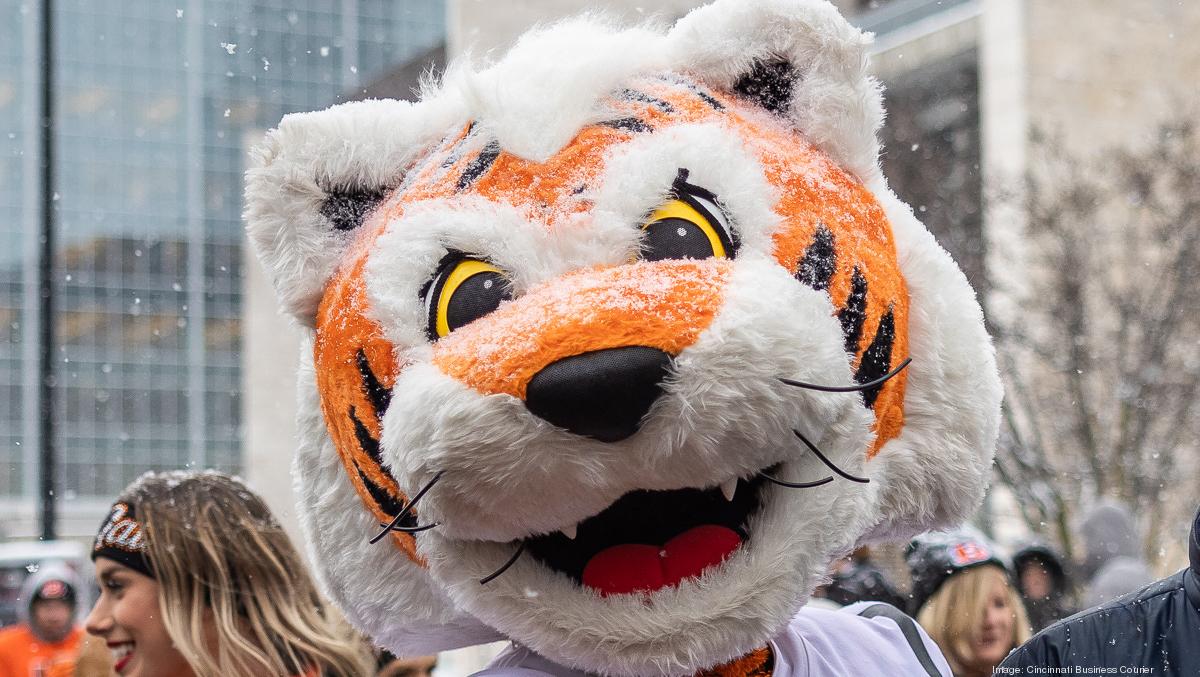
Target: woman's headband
x,y
122,539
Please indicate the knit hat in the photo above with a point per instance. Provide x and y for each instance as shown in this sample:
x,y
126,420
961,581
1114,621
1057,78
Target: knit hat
x,y
52,580
122,539
54,589
935,556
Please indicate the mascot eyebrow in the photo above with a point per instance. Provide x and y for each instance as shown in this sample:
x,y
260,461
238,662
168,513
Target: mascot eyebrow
x,y
578,323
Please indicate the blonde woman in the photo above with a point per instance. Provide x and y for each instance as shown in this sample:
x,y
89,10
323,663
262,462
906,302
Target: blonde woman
x,y
965,600
197,578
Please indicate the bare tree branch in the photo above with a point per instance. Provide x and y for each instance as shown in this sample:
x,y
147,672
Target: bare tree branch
x,y
1103,371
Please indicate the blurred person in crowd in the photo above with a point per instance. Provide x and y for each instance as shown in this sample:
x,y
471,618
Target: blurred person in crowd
x,y
390,666
857,579
47,634
197,578
962,595
1043,583
93,660
1117,577
1112,564
1154,630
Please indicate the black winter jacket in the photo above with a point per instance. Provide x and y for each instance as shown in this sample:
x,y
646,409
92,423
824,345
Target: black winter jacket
x,y
1157,627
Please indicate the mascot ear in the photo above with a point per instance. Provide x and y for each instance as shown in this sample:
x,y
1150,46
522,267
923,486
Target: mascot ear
x,y
317,177
798,59
801,62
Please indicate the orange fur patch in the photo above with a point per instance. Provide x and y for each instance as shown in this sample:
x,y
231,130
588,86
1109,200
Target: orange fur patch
x,y
757,663
661,304
342,330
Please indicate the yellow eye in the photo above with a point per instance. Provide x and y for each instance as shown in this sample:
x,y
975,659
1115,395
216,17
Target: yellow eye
x,y
463,291
687,227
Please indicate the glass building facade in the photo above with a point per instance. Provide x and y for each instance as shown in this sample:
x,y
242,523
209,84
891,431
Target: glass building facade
x,y
157,104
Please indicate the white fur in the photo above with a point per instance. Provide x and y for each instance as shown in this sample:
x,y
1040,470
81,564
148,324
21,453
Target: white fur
x,y
702,622
934,474
836,104
546,88
364,145
388,596
638,175
538,96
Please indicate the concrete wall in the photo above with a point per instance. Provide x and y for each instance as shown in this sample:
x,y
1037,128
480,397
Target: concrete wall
x,y
1004,132
1107,72
270,354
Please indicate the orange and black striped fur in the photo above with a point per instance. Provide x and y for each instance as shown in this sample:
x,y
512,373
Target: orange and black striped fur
x,y
828,243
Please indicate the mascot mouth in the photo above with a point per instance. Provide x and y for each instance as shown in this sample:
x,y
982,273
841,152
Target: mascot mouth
x,y
648,540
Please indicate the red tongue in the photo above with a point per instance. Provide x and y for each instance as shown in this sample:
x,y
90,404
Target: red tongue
x,y
632,567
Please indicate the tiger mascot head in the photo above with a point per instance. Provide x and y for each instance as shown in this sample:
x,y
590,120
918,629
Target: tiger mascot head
x,y
615,343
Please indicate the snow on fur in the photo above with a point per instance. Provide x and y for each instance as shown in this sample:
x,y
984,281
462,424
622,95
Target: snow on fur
x,y
359,146
508,474
533,101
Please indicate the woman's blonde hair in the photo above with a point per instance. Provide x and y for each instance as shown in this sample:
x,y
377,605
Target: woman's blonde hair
x,y
952,616
235,596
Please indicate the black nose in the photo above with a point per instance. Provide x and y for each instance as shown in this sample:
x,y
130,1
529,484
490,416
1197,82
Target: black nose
x,y
602,394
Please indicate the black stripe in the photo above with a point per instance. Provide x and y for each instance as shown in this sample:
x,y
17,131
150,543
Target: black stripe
x,y
717,105
379,395
369,444
693,88
390,504
819,261
634,95
854,313
877,358
908,628
705,96
453,153
479,165
386,502
628,124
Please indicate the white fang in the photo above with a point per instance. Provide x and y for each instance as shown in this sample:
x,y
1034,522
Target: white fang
x,y
728,488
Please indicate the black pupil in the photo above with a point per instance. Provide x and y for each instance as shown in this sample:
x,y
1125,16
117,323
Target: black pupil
x,y
477,296
675,238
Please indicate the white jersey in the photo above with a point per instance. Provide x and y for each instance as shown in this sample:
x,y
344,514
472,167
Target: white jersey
x,y
865,638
